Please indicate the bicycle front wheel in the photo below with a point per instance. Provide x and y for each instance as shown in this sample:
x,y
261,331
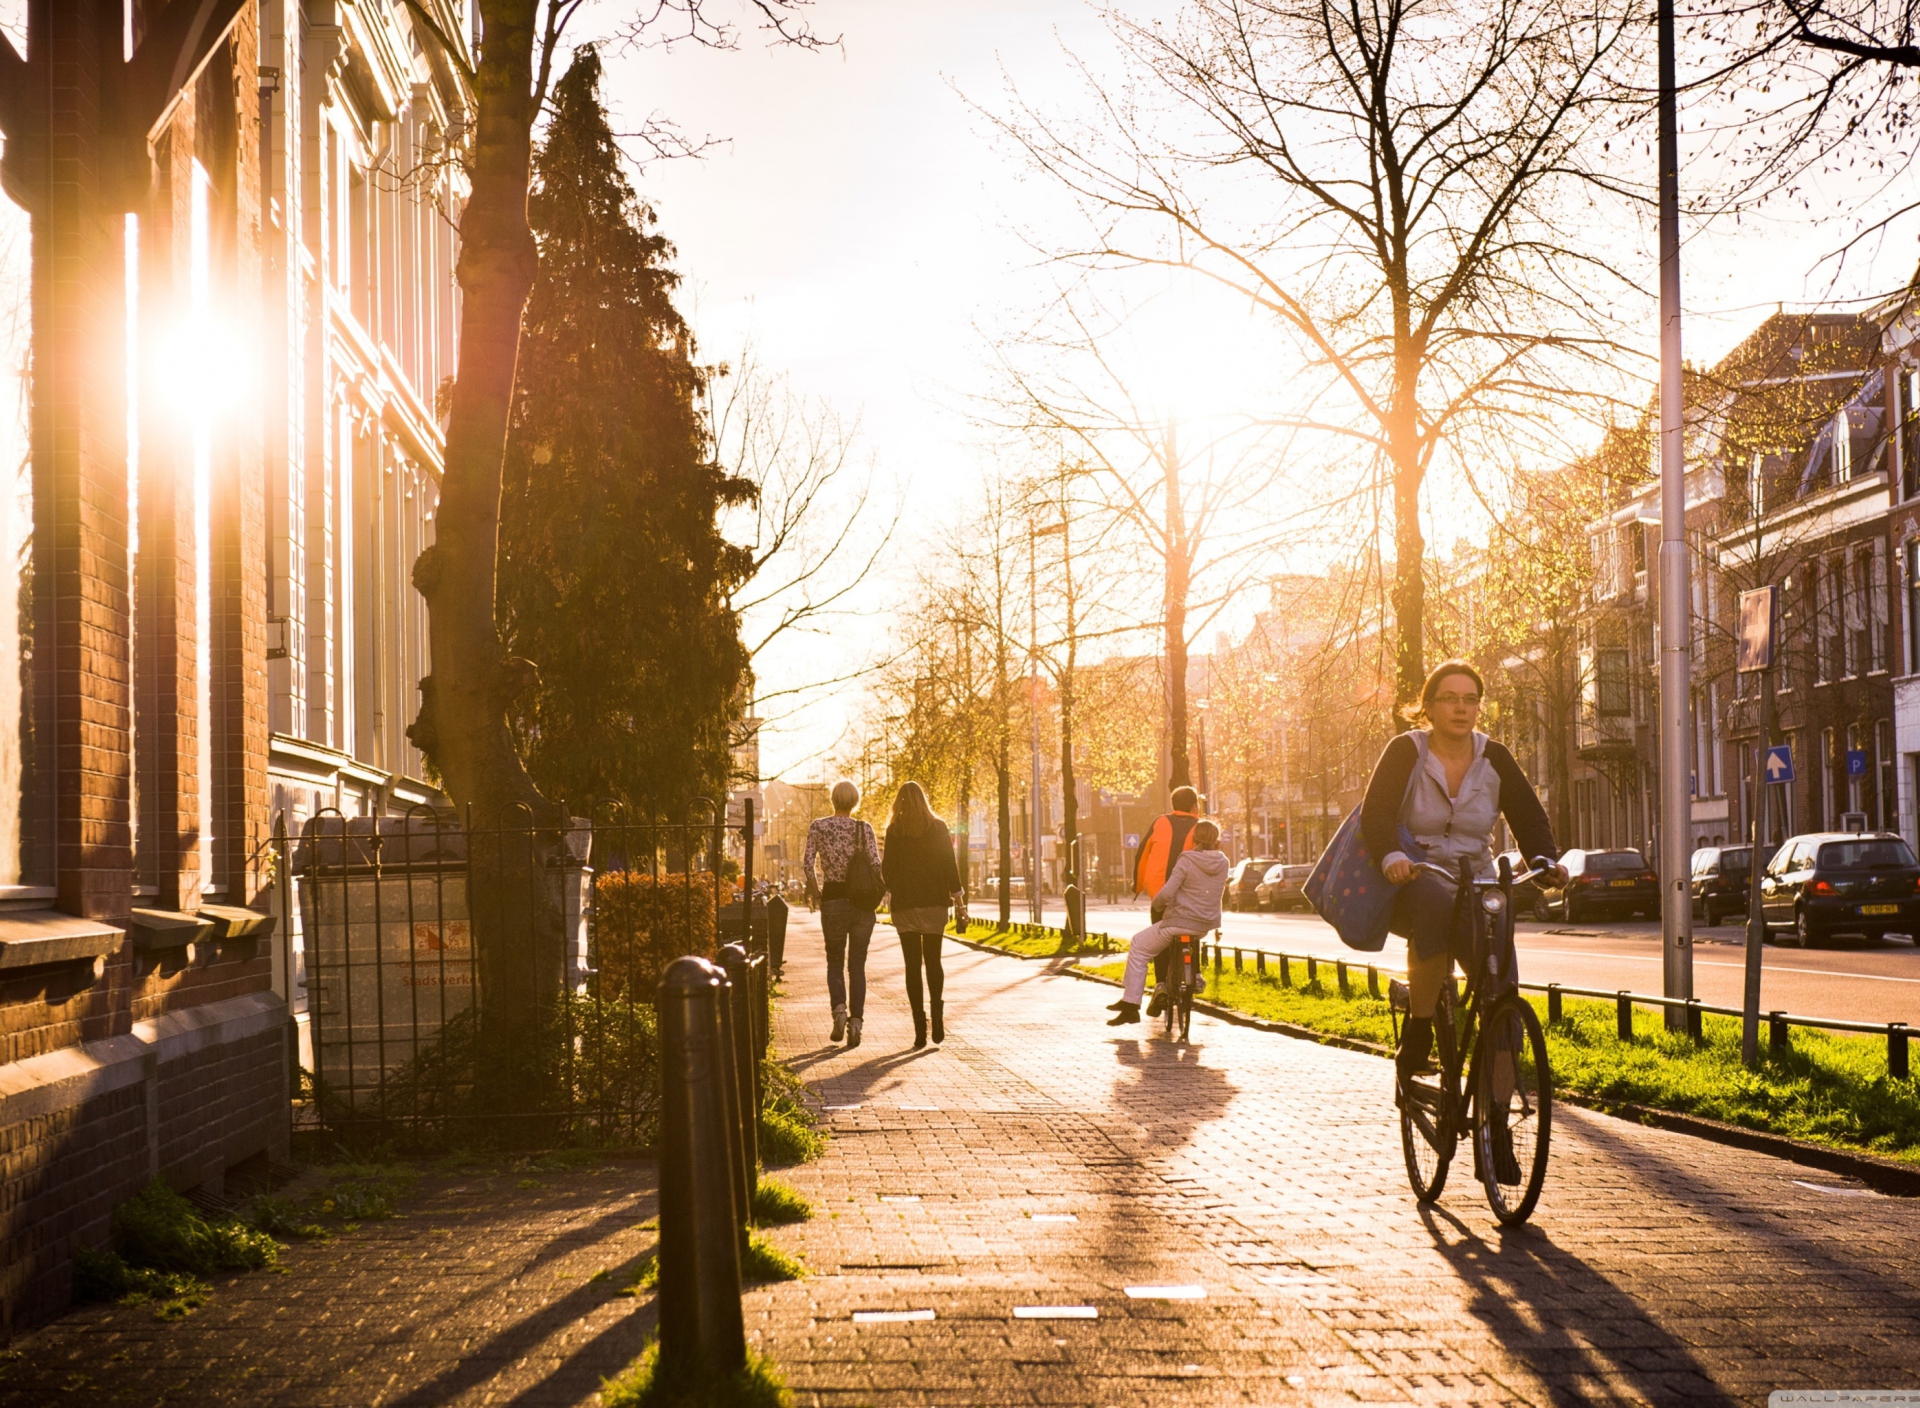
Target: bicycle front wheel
x,y
1513,1105
1426,1135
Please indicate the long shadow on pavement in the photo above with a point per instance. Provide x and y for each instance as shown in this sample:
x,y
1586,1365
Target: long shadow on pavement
x,y
1572,1326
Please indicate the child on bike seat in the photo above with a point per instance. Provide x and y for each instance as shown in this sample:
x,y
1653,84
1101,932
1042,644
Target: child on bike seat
x,y
1189,903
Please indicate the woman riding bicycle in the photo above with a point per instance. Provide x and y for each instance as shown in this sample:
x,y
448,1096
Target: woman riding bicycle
x,y
1464,782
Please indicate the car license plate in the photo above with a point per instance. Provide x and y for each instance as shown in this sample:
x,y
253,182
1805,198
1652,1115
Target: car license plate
x,y
1623,884
1879,909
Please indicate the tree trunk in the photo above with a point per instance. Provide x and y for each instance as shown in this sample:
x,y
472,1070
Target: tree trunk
x,y
1179,570
462,723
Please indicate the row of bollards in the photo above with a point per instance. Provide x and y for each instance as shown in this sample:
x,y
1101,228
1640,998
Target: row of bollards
x,y
713,1032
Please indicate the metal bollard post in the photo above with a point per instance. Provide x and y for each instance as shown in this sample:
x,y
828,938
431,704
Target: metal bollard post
x,y
777,934
1313,970
1779,1033
1216,959
1897,1050
1260,961
1693,1022
1373,981
1554,1009
702,1333
1340,971
1623,1016
1239,962
1286,971
736,1026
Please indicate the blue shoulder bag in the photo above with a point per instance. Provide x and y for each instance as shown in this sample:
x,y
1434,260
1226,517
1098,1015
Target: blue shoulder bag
x,y
1347,889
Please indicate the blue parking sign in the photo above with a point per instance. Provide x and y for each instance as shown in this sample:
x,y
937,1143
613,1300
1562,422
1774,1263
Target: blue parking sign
x,y
1779,764
1856,762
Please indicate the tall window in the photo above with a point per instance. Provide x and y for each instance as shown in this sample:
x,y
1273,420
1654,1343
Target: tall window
x,y
1913,606
1875,605
1907,386
200,289
1842,458
1825,618
1613,697
20,856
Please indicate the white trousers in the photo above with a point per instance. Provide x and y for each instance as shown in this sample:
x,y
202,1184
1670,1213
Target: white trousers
x,y
1146,947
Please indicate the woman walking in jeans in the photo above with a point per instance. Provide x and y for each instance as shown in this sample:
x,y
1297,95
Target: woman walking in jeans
x,y
922,880
832,840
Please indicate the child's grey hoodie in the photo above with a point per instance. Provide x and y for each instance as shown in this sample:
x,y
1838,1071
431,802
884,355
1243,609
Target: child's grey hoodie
x,y
1190,900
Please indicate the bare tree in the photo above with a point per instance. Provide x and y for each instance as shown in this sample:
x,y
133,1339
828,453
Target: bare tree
x,y
818,530
1408,190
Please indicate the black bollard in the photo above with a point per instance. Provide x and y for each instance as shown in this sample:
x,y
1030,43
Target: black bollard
x,y
702,1334
737,1023
777,934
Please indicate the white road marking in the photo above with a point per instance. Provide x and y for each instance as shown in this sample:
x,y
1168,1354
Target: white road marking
x,y
1056,1312
889,1317
1167,1292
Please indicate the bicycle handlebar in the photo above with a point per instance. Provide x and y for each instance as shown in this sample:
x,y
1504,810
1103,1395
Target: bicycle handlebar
x,y
1535,867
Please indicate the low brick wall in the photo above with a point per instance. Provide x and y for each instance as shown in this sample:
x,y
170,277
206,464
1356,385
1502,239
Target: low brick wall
x,y
184,1096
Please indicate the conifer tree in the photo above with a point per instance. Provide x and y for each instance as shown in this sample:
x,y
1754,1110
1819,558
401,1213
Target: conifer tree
x,y
613,572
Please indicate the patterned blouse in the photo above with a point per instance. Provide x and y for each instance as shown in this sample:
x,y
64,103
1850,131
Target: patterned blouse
x,y
832,839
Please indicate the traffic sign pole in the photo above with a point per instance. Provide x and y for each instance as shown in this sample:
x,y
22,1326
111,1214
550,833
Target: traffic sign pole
x,y
1759,617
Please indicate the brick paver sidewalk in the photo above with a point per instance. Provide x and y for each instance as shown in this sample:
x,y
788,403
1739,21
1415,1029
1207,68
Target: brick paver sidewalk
x,y
1042,1160
1268,1172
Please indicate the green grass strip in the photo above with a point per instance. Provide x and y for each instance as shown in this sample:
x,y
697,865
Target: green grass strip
x,y
647,1385
1030,940
1827,1088
776,1203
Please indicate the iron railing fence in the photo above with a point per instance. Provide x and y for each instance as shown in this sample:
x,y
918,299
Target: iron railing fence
x,y
494,986
1779,1024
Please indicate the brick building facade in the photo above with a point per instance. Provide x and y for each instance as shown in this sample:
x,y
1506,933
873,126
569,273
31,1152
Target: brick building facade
x,y
226,303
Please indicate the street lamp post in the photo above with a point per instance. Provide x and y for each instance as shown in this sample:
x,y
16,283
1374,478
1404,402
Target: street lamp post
x,y
1034,534
1676,803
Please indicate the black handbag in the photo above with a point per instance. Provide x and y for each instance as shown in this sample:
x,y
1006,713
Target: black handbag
x,y
865,889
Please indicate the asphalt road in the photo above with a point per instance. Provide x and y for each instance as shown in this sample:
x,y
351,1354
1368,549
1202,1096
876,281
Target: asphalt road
x,y
1878,983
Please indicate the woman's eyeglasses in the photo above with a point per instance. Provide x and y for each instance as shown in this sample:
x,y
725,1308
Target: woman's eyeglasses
x,y
1470,701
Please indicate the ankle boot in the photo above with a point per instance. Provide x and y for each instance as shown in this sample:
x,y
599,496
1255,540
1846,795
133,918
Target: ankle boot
x,y
853,1032
839,1023
919,1030
1416,1044
939,1022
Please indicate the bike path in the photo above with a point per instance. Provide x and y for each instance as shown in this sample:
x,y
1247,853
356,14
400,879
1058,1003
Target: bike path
x,y
1266,1171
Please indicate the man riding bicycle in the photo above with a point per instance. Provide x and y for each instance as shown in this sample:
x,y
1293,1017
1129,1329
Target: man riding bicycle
x,y
1189,903
1446,784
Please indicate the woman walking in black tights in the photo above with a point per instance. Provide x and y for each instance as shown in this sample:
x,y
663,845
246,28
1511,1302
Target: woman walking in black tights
x,y
922,879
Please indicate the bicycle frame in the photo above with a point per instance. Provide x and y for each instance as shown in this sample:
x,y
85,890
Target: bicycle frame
x,y
1458,1110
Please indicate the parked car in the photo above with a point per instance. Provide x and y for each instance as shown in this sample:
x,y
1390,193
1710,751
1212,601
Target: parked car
x,y
992,887
1601,884
1526,895
1721,880
1282,887
1243,879
1832,882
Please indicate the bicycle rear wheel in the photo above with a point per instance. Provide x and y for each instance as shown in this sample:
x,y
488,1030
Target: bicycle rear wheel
x,y
1513,1109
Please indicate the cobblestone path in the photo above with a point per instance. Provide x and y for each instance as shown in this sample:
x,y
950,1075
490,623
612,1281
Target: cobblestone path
x,y
1039,1161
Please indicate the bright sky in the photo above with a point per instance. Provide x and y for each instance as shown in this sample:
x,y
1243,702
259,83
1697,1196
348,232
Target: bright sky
x,y
862,228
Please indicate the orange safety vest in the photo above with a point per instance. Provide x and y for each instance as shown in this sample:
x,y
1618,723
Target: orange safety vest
x,y
1168,834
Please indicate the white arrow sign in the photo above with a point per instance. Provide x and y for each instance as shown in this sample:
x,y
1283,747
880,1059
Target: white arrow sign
x,y
1780,764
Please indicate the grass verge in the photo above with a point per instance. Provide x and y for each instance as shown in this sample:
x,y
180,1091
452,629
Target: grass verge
x,y
1030,940
776,1203
646,1384
790,1132
766,1262
1828,1088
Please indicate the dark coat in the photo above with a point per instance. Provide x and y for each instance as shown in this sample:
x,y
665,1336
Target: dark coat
x,y
919,870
